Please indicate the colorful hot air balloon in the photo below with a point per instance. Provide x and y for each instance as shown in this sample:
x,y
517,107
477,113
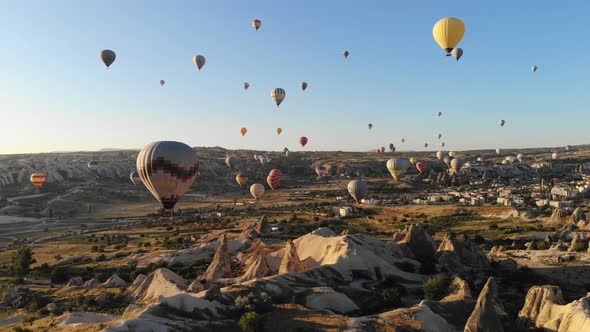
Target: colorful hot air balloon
x,y
397,167
274,178
167,169
413,160
279,131
534,69
199,61
92,164
370,126
501,123
440,155
134,177
257,190
107,57
303,140
456,164
346,54
448,32
391,147
457,53
278,95
321,171
246,85
421,166
243,130
256,24
162,82
38,179
303,86
358,189
242,179
231,161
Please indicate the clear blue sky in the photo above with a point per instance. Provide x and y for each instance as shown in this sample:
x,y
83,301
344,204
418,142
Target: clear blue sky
x,y
55,94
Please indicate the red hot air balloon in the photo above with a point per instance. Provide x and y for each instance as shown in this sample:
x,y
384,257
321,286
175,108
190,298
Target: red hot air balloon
x,y
303,140
274,178
421,166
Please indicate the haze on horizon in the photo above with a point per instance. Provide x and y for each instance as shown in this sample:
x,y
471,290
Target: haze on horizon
x,y
56,95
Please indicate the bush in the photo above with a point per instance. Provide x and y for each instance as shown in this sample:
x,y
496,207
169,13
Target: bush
x,y
21,259
435,288
59,275
541,245
581,246
250,322
392,296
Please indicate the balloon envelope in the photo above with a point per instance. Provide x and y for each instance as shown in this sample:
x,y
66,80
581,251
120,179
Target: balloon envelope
x,y
199,61
231,161
303,86
134,177
397,167
242,179
246,85
358,189
457,53
256,24
448,32
38,180
243,131
257,190
279,131
274,178
321,171
107,57
303,140
278,95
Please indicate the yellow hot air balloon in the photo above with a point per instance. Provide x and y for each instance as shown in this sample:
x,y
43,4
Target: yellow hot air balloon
x,y
279,131
242,179
38,179
448,32
413,160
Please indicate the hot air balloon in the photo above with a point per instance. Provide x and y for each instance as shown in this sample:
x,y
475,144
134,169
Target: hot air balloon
x,y
167,169
456,164
370,126
303,140
274,178
135,179
242,179
391,147
452,153
403,140
498,151
448,32
256,24
439,135
231,161
457,53
285,149
38,179
256,156
246,85
425,145
382,149
358,189
442,144
511,159
397,167
413,160
554,156
303,86
421,166
346,54
257,190
439,114
243,130
534,68
278,95
279,131
447,160
199,61
107,57
92,164
505,162
568,147
480,159
520,157
321,171
440,155
162,82
501,123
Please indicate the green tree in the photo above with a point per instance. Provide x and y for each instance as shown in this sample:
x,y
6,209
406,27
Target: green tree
x,y
22,258
250,321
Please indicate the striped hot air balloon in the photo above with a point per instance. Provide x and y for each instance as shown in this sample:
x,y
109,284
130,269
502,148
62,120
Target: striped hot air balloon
x,y
242,179
421,166
38,179
303,140
278,95
274,178
135,179
397,167
321,171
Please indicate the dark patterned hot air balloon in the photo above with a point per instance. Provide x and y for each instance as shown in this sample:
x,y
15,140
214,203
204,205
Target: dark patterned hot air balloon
x,y
370,126
246,85
162,82
358,189
278,95
346,54
167,169
303,140
107,57
199,61
256,24
321,171
303,85
38,179
274,178
134,177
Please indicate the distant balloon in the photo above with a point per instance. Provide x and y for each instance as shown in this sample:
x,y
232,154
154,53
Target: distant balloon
x,y
256,156
452,153
358,189
511,159
440,155
554,156
162,82
370,126
421,166
457,53
413,160
501,123
257,190
167,169
439,135
246,85
231,161
285,149
321,171
534,69
243,130
134,177
448,32
38,180
397,167
439,114
303,140
520,157
274,178
92,164
568,147
505,162
447,159
346,54
498,151
391,147
256,24
303,86
382,149
278,95
442,144
456,164
242,179
425,145
403,140
107,57
378,150
279,131
199,61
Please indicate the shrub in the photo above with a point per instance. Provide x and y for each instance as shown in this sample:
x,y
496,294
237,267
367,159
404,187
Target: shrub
x,y
59,275
435,288
581,246
541,245
250,321
21,259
